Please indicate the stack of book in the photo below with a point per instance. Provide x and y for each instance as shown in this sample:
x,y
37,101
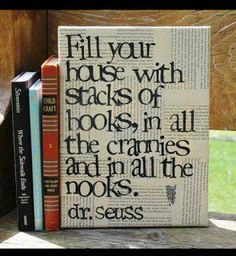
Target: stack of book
x,y
114,132
36,143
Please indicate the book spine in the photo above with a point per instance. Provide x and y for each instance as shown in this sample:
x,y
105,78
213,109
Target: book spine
x,y
35,131
50,128
22,155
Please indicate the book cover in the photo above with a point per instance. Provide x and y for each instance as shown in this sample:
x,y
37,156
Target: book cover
x,y
35,103
50,134
22,149
134,107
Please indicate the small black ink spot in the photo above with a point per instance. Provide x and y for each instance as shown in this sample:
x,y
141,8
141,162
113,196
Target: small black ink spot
x,y
135,193
171,194
90,217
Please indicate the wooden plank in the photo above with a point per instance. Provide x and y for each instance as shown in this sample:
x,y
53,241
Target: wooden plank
x,y
22,47
223,51
221,233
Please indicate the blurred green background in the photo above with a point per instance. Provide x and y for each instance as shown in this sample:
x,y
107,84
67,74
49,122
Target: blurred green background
x,y
222,171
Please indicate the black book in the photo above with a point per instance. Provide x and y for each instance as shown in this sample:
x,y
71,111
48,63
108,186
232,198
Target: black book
x,y
22,149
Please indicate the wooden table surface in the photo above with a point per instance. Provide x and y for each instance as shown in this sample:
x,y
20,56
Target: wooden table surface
x,y
221,233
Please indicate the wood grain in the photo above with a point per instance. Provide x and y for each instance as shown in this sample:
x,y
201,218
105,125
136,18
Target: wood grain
x,y
22,47
221,233
223,46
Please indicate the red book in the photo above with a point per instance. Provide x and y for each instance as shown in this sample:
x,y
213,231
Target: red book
x,y
50,142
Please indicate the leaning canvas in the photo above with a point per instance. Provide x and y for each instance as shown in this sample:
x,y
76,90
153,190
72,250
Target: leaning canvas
x,y
134,107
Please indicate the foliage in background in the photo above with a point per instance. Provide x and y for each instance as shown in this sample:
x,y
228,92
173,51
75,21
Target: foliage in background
x,y
222,175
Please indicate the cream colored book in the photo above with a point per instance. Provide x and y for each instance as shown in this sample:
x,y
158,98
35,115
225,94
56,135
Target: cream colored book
x,y
134,108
